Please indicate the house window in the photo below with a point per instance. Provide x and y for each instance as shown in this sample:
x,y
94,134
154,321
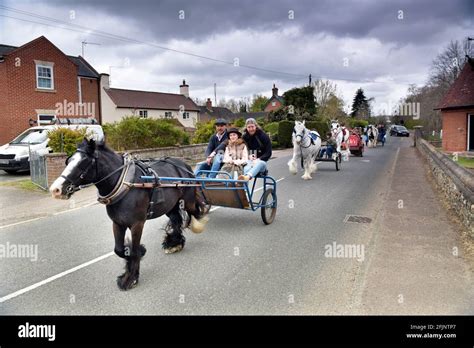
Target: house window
x,y
185,115
274,103
45,119
143,113
168,114
44,76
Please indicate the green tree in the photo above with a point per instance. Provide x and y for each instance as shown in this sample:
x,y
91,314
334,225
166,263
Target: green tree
x,y
301,100
360,105
258,103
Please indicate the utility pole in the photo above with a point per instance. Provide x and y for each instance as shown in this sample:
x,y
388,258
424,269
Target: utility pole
x,y
215,95
87,43
309,77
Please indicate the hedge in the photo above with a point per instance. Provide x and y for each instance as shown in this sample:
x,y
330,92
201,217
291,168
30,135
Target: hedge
x,y
66,139
322,127
285,130
133,132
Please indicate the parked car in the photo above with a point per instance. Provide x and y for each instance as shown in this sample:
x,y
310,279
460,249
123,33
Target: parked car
x,y
399,131
14,156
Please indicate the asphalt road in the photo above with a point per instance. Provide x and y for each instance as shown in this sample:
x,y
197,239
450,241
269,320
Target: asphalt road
x,y
236,266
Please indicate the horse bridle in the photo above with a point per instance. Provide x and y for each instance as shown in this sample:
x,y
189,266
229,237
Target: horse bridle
x,y
73,186
303,135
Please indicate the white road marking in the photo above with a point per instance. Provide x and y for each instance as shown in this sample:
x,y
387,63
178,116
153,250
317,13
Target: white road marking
x,y
50,279
74,269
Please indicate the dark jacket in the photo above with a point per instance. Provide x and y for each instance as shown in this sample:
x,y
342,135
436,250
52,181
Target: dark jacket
x,y
259,142
215,144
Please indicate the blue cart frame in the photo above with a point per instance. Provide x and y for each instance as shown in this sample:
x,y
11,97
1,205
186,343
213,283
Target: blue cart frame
x,y
230,193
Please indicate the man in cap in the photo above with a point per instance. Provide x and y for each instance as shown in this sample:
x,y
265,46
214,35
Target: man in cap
x,y
260,149
215,149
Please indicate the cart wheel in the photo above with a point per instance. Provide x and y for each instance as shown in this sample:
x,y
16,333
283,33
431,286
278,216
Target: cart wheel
x,y
268,213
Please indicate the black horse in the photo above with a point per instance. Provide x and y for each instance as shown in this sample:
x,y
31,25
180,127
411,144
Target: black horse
x,y
129,207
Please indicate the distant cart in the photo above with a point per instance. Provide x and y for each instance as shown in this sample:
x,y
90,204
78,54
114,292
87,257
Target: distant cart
x,y
336,157
356,144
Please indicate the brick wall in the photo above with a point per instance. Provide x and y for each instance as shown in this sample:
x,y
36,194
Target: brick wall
x,y
90,94
455,130
55,164
269,107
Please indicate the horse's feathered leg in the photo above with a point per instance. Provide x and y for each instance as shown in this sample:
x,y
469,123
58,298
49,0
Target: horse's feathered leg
x,y
174,239
196,208
134,251
292,164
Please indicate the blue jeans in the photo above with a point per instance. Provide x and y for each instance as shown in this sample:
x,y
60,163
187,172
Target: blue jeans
x,y
258,166
328,150
215,165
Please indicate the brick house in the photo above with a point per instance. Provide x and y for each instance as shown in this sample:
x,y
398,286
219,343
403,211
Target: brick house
x,y
39,83
118,103
275,102
457,111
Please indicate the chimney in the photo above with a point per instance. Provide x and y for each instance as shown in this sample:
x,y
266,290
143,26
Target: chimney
x,y
274,91
184,89
209,104
104,81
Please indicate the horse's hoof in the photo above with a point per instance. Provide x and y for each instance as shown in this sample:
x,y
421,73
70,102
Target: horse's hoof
x,y
127,284
174,249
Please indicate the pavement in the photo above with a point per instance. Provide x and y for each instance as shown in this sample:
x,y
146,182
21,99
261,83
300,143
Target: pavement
x,y
241,266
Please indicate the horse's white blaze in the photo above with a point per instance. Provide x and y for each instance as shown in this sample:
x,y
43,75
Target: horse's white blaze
x,y
57,186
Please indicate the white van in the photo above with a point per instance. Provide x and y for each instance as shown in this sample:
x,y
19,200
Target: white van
x,y
14,156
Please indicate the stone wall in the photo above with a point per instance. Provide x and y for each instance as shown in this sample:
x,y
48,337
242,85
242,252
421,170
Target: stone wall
x,y
55,162
189,153
455,182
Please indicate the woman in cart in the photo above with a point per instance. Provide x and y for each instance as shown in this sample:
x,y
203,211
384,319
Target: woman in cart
x,y
236,154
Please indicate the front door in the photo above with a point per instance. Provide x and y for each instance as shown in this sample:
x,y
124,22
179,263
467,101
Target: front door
x,y
470,132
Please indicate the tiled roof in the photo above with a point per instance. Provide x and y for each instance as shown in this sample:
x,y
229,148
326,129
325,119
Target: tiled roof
x,y
461,92
85,69
217,112
127,98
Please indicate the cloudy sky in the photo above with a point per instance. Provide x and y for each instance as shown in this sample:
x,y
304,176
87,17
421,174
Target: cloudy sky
x,y
381,46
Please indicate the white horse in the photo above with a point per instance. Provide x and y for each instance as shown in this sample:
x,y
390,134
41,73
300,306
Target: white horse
x,y
372,135
306,146
340,134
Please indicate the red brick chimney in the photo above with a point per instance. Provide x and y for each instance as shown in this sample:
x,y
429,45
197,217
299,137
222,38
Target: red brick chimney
x,y
274,91
209,104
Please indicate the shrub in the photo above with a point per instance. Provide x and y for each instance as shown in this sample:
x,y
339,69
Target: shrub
x,y
240,122
133,132
285,130
354,122
66,139
204,131
412,123
322,127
